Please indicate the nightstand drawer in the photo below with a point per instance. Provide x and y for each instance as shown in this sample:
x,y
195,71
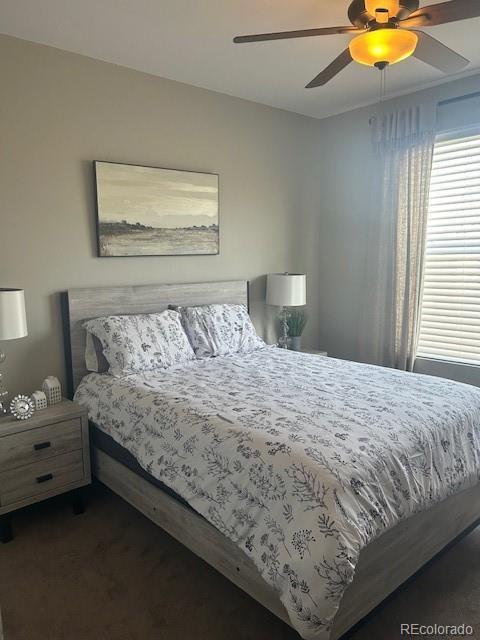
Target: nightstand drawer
x,y
33,445
32,480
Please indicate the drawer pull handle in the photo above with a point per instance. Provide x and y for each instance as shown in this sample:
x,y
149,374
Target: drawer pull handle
x,y
42,445
45,478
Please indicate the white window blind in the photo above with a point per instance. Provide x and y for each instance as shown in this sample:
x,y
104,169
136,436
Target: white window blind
x,y
450,318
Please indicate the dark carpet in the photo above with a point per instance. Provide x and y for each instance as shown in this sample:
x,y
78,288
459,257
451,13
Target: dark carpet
x,y
111,574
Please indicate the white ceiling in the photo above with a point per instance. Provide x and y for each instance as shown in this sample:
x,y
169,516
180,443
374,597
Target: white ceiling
x,y
191,41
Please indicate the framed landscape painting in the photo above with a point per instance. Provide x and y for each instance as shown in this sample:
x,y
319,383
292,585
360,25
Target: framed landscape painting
x,y
148,211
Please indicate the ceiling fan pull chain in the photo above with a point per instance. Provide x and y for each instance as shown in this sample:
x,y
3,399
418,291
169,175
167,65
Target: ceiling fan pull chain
x,y
383,86
384,74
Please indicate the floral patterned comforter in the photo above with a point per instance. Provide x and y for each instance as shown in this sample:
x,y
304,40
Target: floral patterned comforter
x,y
301,460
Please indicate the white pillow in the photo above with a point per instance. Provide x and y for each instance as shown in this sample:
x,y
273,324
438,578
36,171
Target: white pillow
x,y
220,330
136,343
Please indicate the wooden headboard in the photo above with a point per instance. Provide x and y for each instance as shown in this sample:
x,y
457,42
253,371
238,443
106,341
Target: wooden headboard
x,y
82,304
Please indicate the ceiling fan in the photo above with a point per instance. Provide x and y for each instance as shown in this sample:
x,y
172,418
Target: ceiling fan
x,y
385,35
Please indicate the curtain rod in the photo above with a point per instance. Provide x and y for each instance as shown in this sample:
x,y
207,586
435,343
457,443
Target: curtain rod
x,y
469,96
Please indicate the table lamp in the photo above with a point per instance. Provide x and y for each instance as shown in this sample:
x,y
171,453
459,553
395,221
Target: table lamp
x,y
13,325
286,290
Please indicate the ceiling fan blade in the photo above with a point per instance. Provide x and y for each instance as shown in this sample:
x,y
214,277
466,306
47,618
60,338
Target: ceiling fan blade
x,y
443,13
333,68
286,35
438,55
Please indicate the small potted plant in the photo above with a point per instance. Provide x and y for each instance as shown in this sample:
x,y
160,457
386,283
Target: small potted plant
x,y
296,321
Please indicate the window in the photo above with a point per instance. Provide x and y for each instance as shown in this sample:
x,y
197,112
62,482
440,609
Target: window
x,y
450,318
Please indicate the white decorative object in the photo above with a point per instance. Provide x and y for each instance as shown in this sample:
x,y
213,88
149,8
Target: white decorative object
x,y
39,400
21,407
52,388
286,290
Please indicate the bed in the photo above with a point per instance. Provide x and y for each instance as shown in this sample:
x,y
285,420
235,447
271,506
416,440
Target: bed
x,y
258,425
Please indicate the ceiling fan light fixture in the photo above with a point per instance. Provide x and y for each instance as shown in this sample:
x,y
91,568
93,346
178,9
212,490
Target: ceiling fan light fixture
x,y
383,45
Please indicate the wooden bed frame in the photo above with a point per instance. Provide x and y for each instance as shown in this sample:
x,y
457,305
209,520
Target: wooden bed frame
x,y
383,565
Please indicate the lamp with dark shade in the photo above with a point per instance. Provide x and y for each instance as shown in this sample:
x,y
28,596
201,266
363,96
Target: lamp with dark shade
x,y
286,290
13,325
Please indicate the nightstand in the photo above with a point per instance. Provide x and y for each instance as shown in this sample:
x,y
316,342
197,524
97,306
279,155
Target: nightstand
x,y
315,352
42,457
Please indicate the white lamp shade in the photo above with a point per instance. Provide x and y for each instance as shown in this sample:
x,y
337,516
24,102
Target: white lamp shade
x,y
13,321
287,289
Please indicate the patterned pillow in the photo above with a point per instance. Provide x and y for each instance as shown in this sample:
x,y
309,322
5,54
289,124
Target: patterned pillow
x,y
220,330
136,343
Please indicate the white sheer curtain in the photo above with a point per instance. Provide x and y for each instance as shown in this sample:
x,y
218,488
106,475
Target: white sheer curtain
x,y
403,150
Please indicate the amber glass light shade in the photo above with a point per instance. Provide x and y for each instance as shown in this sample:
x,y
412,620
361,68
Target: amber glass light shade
x,y
392,6
383,45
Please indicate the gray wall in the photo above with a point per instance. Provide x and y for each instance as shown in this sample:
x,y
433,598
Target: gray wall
x,y
294,194
59,111
338,232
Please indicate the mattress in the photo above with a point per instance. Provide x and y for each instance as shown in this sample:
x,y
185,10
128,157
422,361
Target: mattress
x,y
300,460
